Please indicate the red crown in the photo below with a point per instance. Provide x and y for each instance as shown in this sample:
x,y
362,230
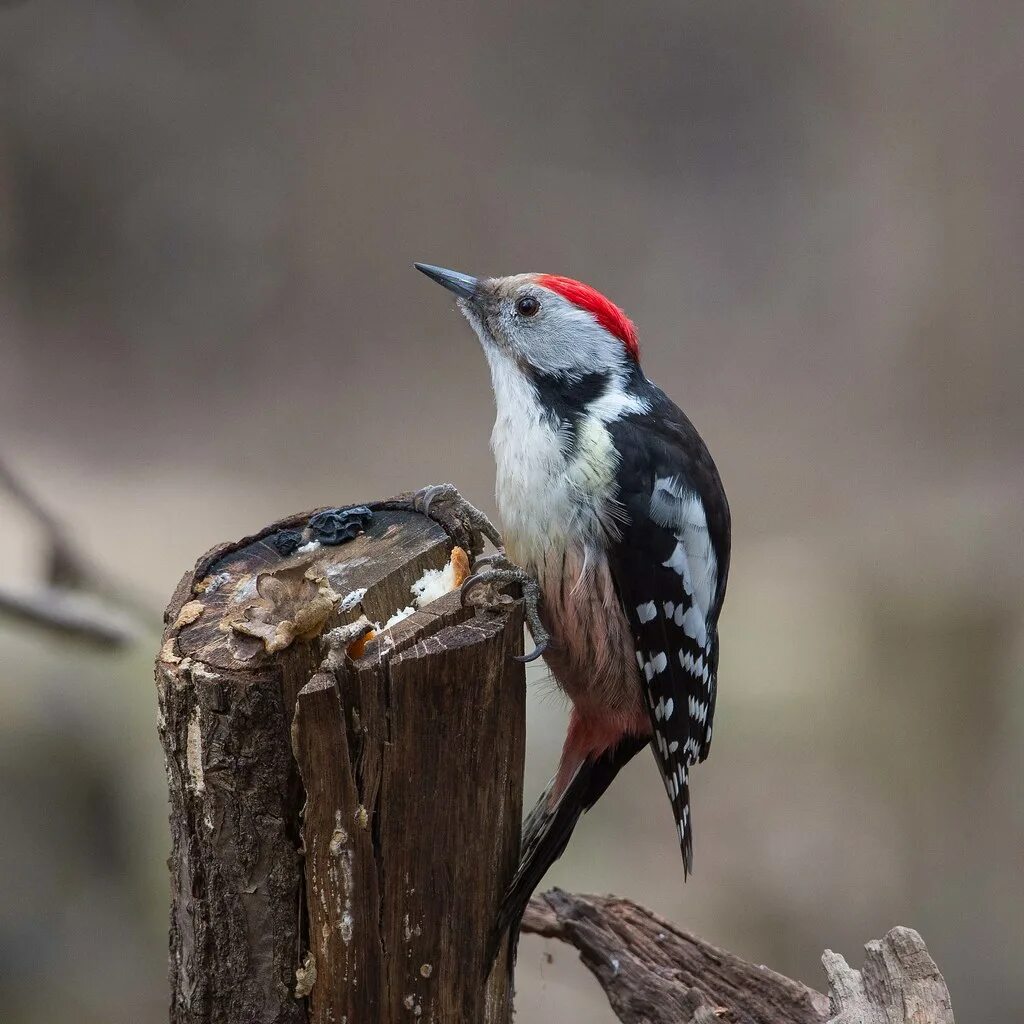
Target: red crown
x,y
603,310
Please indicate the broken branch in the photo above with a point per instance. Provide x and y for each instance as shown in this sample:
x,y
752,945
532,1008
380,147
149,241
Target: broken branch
x,y
655,973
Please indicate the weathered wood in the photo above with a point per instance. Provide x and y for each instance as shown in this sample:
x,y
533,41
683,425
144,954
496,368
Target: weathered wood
x,y
329,861
460,685
338,853
900,982
656,973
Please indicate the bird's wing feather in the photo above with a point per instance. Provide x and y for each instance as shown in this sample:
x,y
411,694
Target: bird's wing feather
x,y
668,563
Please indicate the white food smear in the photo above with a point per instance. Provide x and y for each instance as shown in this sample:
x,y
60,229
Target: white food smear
x,y
434,583
402,613
349,601
214,583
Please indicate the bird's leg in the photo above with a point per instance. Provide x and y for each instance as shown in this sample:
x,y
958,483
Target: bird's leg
x,y
470,514
500,571
496,568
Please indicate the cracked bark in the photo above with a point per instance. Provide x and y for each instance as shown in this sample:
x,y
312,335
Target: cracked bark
x,y
329,861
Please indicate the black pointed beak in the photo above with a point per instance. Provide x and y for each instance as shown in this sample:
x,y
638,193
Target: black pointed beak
x,y
462,284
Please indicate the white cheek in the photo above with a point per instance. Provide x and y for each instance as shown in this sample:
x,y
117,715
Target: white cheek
x,y
565,338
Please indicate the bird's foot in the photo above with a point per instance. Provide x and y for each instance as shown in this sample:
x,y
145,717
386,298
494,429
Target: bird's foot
x,y
474,519
498,570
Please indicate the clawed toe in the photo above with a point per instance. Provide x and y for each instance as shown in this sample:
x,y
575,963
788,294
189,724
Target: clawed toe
x,y
540,649
497,560
501,571
494,568
469,584
425,497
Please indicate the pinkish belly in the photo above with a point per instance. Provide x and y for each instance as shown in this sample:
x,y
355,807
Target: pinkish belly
x,y
592,657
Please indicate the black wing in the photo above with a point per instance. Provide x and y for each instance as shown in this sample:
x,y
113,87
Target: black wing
x,y
670,565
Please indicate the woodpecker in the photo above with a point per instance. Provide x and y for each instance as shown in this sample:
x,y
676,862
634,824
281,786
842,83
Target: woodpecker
x,y
616,520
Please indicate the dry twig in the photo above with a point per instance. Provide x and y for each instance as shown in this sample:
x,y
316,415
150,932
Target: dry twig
x,y
75,600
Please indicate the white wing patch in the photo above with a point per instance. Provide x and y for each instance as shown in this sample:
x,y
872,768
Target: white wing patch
x,y
646,612
679,509
694,624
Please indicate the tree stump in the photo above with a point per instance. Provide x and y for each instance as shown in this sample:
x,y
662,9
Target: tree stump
x,y
345,811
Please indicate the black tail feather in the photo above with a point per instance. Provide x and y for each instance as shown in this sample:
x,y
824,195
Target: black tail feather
x,y
546,834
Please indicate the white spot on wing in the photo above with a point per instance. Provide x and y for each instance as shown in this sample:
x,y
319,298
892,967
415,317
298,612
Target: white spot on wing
x,y
694,625
698,710
646,612
659,662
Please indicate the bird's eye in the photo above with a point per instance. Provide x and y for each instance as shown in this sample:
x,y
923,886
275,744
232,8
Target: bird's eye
x,y
527,306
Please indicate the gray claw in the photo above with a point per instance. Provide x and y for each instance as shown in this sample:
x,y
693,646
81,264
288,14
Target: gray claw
x,y
525,659
501,570
426,496
468,584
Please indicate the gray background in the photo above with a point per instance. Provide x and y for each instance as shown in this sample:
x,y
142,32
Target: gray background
x,y
208,318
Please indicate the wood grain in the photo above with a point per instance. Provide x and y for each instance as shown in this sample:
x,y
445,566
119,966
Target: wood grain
x,y
329,859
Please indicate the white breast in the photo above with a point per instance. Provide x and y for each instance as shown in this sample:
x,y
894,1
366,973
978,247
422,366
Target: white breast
x,y
547,501
556,509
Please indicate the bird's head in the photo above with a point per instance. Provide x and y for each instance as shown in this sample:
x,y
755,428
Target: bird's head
x,y
543,324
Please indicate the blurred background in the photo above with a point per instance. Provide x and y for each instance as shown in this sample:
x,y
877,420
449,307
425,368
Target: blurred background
x,y
208,319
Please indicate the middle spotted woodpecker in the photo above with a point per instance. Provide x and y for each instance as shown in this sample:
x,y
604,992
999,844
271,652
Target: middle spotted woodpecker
x,y
615,517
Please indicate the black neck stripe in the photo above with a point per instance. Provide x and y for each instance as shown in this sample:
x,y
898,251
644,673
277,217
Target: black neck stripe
x,y
565,397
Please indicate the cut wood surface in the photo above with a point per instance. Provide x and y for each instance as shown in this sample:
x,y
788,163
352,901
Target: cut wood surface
x,y
344,814
655,973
